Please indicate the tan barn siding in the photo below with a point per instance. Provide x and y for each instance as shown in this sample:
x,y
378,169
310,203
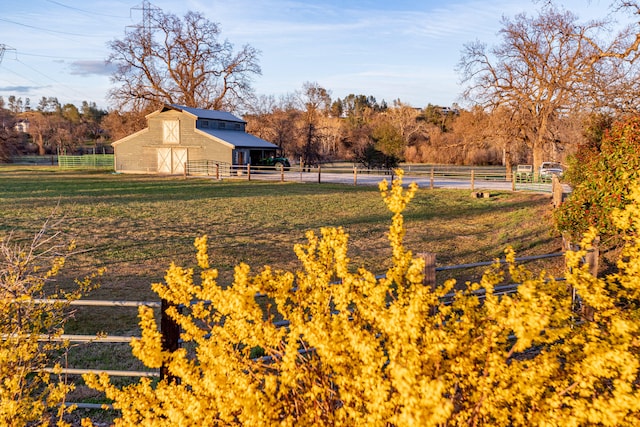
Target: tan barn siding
x,y
138,153
132,155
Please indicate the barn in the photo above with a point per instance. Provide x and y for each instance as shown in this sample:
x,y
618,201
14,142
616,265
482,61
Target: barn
x,y
178,136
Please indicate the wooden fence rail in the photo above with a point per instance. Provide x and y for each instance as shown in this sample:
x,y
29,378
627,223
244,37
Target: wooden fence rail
x,y
431,176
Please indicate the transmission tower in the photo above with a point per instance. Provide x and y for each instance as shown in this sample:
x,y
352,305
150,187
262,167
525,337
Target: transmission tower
x,y
3,49
148,10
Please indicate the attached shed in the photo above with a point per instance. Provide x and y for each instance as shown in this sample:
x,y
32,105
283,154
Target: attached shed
x,y
176,135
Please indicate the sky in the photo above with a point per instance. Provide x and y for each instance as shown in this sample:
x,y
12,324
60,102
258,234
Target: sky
x,y
388,49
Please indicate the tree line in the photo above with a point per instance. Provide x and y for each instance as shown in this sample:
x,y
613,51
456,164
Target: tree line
x,y
551,84
307,125
49,127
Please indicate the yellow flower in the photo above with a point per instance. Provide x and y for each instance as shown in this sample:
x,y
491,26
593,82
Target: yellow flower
x,y
358,350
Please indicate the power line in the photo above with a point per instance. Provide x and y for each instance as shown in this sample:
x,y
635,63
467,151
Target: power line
x,y
52,56
39,84
48,30
3,49
88,12
50,78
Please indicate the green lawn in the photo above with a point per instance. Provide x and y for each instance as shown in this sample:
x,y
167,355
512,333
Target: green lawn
x,y
135,226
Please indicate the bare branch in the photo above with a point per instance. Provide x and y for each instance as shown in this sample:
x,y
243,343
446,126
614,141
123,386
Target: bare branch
x,y
181,61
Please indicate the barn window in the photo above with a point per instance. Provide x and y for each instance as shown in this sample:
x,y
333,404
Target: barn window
x,y
171,131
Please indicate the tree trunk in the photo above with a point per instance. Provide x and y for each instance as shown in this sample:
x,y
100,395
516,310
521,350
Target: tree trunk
x,y
538,146
40,143
538,154
508,162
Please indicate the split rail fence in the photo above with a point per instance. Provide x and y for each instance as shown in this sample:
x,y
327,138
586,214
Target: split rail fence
x,y
431,176
171,332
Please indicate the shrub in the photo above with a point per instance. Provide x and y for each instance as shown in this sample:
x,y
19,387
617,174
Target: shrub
x,y
362,350
30,330
601,179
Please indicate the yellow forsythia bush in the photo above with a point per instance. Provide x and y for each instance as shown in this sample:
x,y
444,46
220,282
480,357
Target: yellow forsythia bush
x,y
30,331
367,351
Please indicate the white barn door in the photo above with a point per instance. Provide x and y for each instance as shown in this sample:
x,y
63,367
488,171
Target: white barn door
x,y
172,160
179,159
171,131
164,160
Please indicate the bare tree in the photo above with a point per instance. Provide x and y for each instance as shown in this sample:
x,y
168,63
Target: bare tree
x,y
544,67
183,61
274,121
119,124
41,127
315,103
406,120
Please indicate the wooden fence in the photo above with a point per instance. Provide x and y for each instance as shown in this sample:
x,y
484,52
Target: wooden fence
x,y
171,333
431,176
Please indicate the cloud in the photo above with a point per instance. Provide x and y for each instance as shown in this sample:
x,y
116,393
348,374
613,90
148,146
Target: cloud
x,y
88,68
19,89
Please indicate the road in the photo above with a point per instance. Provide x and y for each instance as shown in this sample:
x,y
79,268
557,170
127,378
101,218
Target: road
x,y
423,181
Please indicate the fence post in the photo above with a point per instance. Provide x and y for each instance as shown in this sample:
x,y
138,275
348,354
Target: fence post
x,y
429,274
319,173
301,168
248,171
513,181
556,190
592,259
184,170
431,181
473,178
217,171
429,269
281,172
170,336
355,175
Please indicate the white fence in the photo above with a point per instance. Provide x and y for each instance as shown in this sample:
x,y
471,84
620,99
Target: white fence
x,y
431,176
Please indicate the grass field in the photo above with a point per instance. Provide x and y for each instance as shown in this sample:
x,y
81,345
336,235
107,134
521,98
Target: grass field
x,y
136,225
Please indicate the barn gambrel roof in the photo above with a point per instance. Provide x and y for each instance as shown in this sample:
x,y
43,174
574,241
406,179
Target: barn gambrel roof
x,y
201,113
237,139
240,139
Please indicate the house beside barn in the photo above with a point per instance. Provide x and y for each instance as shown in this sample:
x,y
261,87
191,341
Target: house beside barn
x,y
178,136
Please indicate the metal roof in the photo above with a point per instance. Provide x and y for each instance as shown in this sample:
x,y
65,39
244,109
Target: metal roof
x,y
208,114
239,139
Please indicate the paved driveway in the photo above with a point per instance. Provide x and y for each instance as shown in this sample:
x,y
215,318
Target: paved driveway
x,y
423,181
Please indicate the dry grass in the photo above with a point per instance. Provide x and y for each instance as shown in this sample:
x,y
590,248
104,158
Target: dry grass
x,y
136,225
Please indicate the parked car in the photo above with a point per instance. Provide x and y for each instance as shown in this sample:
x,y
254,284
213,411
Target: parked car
x,y
549,169
524,173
